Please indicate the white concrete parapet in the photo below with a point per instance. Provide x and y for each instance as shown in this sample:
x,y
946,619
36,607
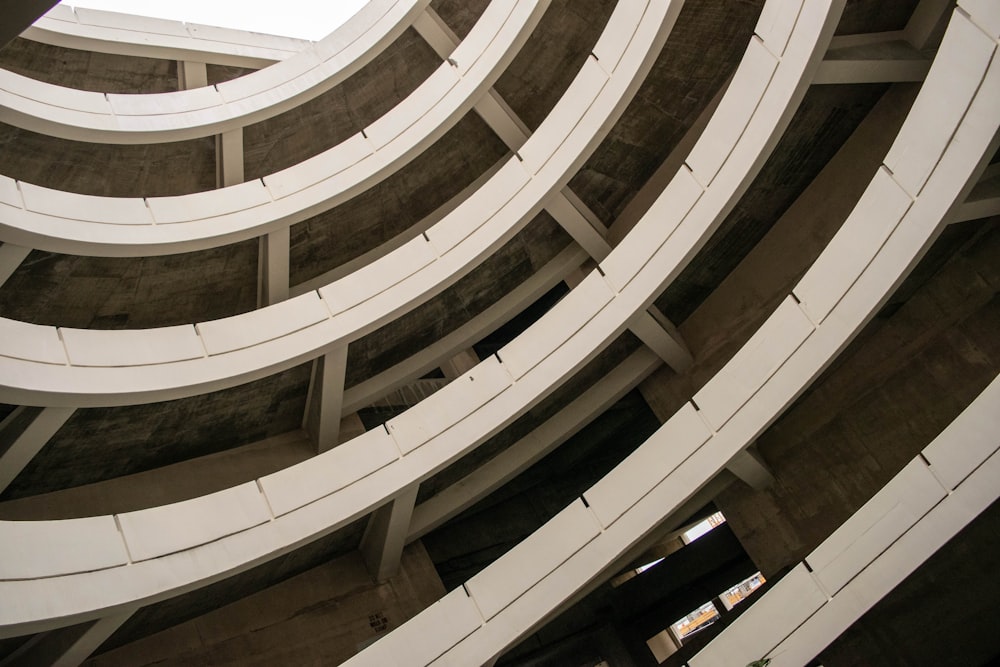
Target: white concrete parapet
x,y
146,37
107,226
874,550
160,117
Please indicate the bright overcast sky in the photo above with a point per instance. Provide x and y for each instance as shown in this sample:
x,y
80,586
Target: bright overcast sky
x,y
308,19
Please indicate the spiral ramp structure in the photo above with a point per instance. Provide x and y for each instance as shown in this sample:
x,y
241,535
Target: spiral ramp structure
x,y
408,346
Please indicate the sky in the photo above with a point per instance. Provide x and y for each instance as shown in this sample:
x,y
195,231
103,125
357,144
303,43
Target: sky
x,y
307,19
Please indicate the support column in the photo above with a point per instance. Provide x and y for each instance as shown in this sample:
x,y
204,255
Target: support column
x,y
655,331
325,401
23,434
661,336
385,535
11,257
191,75
68,647
578,224
924,22
273,267
460,364
750,467
567,209
229,158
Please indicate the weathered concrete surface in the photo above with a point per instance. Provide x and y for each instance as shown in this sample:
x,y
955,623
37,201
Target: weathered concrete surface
x,y
321,616
87,70
825,119
101,443
396,203
132,293
166,484
582,380
314,126
171,612
144,170
552,56
912,370
706,44
515,262
720,325
459,15
487,530
861,16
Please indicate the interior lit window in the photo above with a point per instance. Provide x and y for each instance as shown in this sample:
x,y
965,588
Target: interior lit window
x,y
697,620
304,19
742,590
643,568
702,527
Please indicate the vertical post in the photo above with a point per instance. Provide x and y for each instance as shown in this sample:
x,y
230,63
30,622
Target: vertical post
x,y
229,158
274,267
191,75
384,538
460,364
326,400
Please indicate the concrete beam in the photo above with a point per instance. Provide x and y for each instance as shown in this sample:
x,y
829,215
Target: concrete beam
x,y
67,647
23,434
191,75
567,209
384,538
655,331
325,401
11,257
750,467
889,61
926,22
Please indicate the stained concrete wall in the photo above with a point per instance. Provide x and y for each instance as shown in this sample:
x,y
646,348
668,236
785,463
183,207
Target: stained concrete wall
x,y
101,443
87,70
912,370
318,617
945,613
688,72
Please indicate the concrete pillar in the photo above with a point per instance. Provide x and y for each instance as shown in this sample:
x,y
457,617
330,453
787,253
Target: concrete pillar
x,y
325,401
23,434
661,336
229,158
385,535
566,208
67,647
11,257
924,21
273,267
580,224
191,75
460,364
